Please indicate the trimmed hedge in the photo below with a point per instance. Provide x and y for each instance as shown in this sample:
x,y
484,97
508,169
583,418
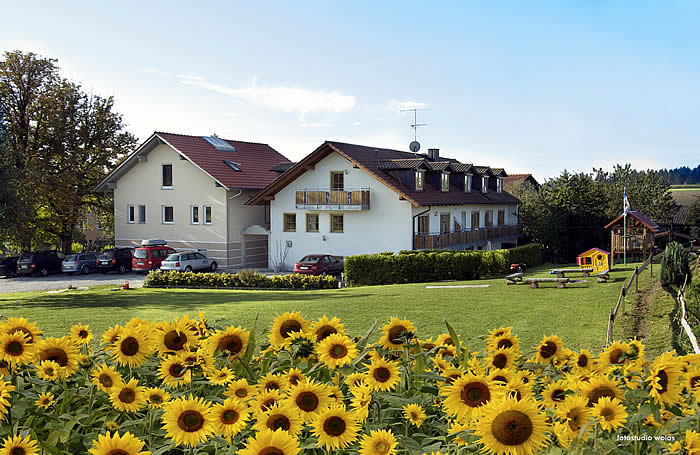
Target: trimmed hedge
x,y
420,266
241,279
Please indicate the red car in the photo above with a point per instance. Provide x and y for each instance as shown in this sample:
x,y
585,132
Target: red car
x,y
319,264
150,254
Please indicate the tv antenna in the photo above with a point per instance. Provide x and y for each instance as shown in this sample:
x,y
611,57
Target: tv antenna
x,y
415,145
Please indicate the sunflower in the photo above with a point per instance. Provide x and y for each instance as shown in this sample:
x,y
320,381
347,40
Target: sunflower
x,y
690,444
188,421
452,374
105,377
294,376
48,370
110,337
584,360
512,427
610,413
550,348
156,398
113,444
555,393
465,396
128,396
80,334
518,390
664,375
310,399
232,341
501,358
173,337
613,354
336,350
692,381
282,415
286,324
17,445
273,381
325,327
222,376
458,427
60,350
268,442
600,386
415,414
264,400
503,376
111,425
335,428
5,394
361,399
378,442
496,333
46,400
14,325
505,340
240,389
174,373
84,360
574,411
15,348
230,417
382,375
636,350
132,347
396,332
198,327
354,379
301,345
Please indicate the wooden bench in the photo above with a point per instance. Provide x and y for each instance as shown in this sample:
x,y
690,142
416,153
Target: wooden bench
x,y
561,282
603,276
514,278
561,273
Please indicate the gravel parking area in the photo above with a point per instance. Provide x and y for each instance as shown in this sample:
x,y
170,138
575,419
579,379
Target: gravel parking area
x,y
62,280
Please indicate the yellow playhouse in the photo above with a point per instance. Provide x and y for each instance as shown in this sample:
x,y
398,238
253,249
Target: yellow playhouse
x,y
594,258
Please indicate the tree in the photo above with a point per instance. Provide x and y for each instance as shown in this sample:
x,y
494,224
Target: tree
x,y
693,218
60,144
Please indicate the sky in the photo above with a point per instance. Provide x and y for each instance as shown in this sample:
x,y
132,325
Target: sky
x,y
533,87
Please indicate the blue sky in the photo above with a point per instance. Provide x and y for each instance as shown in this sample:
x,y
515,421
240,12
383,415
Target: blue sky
x,y
533,87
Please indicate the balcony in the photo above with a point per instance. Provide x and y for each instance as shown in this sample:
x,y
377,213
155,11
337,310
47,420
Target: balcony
x,y
466,238
328,199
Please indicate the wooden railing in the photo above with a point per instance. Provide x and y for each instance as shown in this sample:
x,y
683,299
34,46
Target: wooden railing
x,y
327,199
466,237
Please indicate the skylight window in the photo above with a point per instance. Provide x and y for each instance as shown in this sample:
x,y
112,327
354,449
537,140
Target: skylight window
x,y
219,144
233,165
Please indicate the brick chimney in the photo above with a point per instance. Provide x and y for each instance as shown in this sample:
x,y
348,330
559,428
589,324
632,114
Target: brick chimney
x,y
434,154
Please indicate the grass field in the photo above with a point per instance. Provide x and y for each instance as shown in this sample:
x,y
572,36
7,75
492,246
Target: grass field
x,y
578,313
685,194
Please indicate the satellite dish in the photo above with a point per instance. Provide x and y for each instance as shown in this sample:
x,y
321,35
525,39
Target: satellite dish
x,y
414,146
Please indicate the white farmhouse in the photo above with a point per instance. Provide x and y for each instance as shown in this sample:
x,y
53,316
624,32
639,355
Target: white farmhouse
x,y
191,191
346,199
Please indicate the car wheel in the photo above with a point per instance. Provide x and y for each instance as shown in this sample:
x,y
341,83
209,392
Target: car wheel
x,y
85,270
212,267
122,269
44,272
188,269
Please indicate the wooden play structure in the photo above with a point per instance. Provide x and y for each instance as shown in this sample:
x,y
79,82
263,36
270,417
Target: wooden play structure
x,y
594,260
640,236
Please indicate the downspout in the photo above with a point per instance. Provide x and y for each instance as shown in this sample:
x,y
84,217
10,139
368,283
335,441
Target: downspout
x,y
413,224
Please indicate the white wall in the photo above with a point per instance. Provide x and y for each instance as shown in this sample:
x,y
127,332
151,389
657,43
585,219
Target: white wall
x,y
386,226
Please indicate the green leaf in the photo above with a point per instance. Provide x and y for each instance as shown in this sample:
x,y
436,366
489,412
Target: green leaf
x,y
455,338
363,341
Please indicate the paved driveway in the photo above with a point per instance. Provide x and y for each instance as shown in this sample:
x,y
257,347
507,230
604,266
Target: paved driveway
x,y
62,280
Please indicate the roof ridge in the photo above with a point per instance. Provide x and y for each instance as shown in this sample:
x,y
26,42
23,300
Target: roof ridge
x,y
192,135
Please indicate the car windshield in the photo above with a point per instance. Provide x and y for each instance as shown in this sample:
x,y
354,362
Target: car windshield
x,y
173,257
107,254
311,259
141,253
26,257
71,257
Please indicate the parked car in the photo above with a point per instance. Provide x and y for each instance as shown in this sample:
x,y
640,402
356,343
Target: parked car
x,y
118,259
150,255
319,264
41,262
8,266
188,262
80,262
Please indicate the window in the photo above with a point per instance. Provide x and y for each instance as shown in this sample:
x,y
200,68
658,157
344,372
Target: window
x,y
444,223
167,176
467,182
499,185
194,214
336,223
207,214
445,181
488,218
464,219
168,214
290,222
337,180
476,221
311,222
98,225
484,183
501,217
419,180
130,214
423,224
142,214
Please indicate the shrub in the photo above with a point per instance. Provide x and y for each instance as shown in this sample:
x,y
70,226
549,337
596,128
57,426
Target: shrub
x,y
674,265
529,254
241,279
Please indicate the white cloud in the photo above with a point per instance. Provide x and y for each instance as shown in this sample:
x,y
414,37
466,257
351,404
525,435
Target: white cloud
x,y
396,106
316,125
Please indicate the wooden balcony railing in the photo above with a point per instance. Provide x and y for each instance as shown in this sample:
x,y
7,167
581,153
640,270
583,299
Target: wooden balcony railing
x,y
327,199
466,238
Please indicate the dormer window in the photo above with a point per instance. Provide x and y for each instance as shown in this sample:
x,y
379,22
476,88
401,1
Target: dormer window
x,y
484,183
499,185
419,180
467,183
445,181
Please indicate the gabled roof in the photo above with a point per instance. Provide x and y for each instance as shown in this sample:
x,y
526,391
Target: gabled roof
x,y
481,169
640,218
513,180
368,159
254,160
585,253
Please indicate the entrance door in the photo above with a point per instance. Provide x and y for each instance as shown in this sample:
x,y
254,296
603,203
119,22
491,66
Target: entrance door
x,y
444,223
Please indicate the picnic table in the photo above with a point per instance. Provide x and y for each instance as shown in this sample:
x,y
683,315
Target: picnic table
x,y
561,282
514,278
561,273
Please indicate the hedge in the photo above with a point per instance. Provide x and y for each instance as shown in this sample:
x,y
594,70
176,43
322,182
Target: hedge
x,y
433,265
241,279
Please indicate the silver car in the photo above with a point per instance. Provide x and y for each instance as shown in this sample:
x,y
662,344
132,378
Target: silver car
x,y
188,262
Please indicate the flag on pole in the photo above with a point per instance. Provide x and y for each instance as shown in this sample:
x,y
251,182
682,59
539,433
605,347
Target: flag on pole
x,y
625,204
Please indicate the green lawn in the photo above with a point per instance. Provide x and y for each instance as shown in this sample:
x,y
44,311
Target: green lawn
x,y
578,314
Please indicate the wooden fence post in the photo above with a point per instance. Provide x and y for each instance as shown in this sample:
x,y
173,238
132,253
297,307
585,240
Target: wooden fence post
x,y
636,280
651,266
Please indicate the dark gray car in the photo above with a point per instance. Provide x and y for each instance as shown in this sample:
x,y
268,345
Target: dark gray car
x,y
80,262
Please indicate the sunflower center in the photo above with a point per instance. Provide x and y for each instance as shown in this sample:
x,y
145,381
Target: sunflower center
x,y
294,379
83,334
229,417
500,379
338,351
56,354
307,401
504,343
381,447
574,421
694,381
129,346
14,348
157,399
512,428
663,380
48,371
558,395
190,421
548,349
500,360
106,380
115,452
582,361
278,421
324,332
615,356
174,340
475,394
395,334
598,393
4,364
288,327
231,343
334,426
267,404
18,451
176,370
607,413
382,374
241,393
27,333
127,396
271,451
452,378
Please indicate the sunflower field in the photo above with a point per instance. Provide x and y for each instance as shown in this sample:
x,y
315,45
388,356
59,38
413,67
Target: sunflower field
x,y
193,386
